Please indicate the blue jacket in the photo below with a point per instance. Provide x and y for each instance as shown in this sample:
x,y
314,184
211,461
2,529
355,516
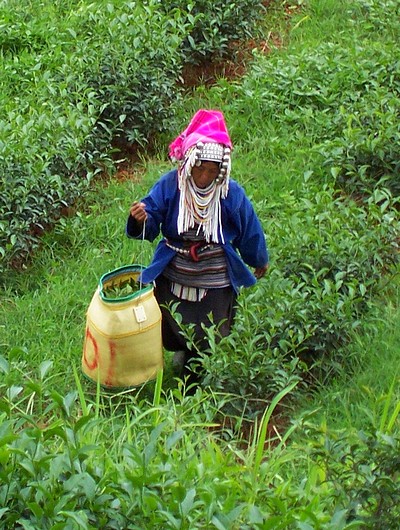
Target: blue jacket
x,y
244,238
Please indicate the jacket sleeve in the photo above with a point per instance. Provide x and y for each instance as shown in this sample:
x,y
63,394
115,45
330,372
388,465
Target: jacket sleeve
x,y
250,241
156,207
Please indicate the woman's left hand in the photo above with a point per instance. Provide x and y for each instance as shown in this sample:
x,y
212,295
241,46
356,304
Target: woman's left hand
x,y
259,272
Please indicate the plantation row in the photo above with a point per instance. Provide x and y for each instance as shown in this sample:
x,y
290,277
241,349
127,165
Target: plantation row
x,y
71,457
335,237
78,75
330,250
330,257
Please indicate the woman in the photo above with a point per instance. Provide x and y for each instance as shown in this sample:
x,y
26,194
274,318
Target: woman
x,y
210,232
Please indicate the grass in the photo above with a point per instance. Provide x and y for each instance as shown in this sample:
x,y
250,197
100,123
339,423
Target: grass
x,y
157,457
43,308
355,398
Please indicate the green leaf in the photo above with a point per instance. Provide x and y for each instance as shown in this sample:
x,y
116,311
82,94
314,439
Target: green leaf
x,y
4,365
80,518
36,509
44,367
13,392
188,502
173,439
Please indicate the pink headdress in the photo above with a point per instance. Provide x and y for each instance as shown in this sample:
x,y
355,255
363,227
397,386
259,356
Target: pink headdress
x,y
205,138
207,126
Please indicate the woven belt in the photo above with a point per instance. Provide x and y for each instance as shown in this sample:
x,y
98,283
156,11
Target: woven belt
x,y
191,251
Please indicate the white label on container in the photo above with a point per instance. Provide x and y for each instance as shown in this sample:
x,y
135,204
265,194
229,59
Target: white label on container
x,y
140,313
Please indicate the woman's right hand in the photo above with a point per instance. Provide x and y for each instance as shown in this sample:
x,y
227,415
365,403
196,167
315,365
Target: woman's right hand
x,y
138,212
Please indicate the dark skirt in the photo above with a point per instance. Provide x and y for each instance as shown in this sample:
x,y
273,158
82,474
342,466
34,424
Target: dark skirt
x,y
219,302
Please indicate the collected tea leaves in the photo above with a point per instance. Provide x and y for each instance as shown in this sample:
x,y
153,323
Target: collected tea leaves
x,y
121,289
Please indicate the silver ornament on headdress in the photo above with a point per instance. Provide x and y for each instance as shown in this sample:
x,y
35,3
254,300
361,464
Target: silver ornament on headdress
x,y
211,152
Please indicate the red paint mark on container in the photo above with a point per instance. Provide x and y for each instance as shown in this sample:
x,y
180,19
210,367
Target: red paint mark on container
x,y
91,364
110,372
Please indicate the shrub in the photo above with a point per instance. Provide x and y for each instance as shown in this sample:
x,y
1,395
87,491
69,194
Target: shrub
x,y
215,26
121,461
73,86
363,471
342,102
328,256
366,152
55,139
130,59
331,254
43,168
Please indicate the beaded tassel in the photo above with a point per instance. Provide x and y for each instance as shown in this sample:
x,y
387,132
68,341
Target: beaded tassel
x,y
202,205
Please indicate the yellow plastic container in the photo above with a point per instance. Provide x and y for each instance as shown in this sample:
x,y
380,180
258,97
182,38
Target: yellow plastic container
x,y
123,344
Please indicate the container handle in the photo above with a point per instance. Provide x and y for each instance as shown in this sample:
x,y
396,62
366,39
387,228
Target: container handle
x,y
141,255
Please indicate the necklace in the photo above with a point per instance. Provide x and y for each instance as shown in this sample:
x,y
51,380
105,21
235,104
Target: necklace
x,y
199,200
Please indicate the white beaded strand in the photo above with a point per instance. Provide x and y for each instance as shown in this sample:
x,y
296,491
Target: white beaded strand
x,y
202,205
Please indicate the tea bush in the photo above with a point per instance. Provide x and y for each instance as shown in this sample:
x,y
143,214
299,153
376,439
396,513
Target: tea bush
x,y
55,138
342,102
43,168
131,463
381,16
366,153
330,254
362,468
73,87
132,63
214,29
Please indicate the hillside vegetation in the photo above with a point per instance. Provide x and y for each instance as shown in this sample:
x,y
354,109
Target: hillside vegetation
x,y
296,423
79,78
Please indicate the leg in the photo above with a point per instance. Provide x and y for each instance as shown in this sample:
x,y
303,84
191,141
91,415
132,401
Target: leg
x,y
219,302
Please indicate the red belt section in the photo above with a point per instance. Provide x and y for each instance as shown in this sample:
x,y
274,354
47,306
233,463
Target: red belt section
x,y
191,250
